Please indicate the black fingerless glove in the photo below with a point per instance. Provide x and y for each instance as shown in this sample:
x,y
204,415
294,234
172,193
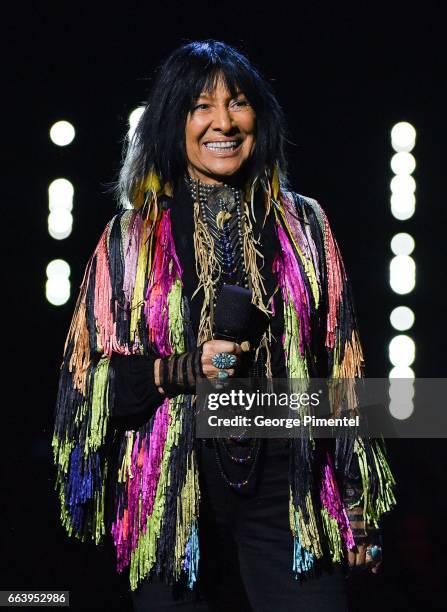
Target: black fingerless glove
x,y
178,374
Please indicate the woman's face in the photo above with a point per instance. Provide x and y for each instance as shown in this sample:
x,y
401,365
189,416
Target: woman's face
x,y
220,134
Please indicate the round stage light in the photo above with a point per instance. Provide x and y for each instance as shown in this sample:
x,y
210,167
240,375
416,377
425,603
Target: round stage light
x,y
60,223
62,133
58,267
403,136
402,274
401,372
403,163
403,184
57,290
60,194
402,318
402,244
401,410
402,350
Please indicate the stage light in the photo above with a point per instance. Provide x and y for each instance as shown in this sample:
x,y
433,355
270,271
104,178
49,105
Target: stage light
x,y
403,136
402,244
403,184
403,163
403,206
401,372
57,290
58,267
62,133
60,223
401,350
57,287
400,389
402,318
60,195
134,118
401,410
402,274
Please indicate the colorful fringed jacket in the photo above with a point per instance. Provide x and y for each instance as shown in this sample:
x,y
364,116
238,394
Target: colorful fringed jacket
x,y
130,302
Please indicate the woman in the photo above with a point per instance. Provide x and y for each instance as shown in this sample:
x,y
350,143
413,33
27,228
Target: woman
x,y
205,203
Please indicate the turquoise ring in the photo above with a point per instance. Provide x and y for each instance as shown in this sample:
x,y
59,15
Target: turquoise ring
x,y
375,552
222,374
223,361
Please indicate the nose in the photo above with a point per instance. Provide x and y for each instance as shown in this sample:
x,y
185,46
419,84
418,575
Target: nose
x,y
222,119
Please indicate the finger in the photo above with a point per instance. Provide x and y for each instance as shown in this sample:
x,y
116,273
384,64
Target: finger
x,y
225,346
212,372
351,558
360,558
376,567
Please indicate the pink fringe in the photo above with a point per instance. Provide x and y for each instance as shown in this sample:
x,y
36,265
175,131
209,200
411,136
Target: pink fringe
x,y
291,281
147,454
165,270
103,297
331,500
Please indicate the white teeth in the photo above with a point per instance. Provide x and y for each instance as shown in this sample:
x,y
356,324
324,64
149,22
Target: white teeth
x,y
231,144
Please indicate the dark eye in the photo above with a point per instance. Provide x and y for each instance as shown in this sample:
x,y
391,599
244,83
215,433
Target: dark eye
x,y
202,106
242,103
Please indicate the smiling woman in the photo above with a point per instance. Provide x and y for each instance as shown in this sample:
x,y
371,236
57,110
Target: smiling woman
x,y
220,134
207,211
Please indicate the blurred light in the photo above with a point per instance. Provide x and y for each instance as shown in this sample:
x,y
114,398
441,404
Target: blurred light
x,y
403,136
403,184
402,350
60,194
401,410
403,163
57,290
402,274
402,318
402,244
401,372
62,133
403,206
401,389
58,267
60,223
134,118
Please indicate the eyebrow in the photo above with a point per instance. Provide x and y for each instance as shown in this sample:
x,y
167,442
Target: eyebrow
x,y
207,95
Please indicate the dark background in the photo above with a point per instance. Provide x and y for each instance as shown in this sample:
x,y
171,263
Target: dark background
x,y
344,73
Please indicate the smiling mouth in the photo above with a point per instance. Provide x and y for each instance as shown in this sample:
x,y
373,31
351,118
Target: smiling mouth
x,y
229,145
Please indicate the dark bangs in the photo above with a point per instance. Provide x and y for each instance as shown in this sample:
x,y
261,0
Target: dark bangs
x,y
159,139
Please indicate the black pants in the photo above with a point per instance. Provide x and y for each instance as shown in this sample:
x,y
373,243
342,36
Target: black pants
x,y
246,550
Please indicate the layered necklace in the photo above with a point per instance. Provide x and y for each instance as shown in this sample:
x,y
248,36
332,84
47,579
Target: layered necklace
x,y
221,214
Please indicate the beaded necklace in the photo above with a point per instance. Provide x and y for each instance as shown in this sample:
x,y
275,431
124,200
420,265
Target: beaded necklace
x,y
220,209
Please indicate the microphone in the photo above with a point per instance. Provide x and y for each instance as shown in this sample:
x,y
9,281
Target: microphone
x,y
232,313
235,317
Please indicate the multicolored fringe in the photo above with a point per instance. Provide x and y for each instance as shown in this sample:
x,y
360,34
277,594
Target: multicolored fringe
x,y
306,257
131,302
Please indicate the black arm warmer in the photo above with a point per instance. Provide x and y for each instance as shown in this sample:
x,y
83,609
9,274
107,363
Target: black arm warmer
x,y
178,374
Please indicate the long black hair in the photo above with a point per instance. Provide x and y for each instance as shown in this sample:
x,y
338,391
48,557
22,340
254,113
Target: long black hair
x,y
158,142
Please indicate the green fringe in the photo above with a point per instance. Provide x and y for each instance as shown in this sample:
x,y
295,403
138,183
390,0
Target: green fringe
x,y
332,532
176,335
100,408
143,557
296,364
385,500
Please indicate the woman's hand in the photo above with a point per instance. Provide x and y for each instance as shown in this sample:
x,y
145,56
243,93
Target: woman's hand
x,y
211,348
361,558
